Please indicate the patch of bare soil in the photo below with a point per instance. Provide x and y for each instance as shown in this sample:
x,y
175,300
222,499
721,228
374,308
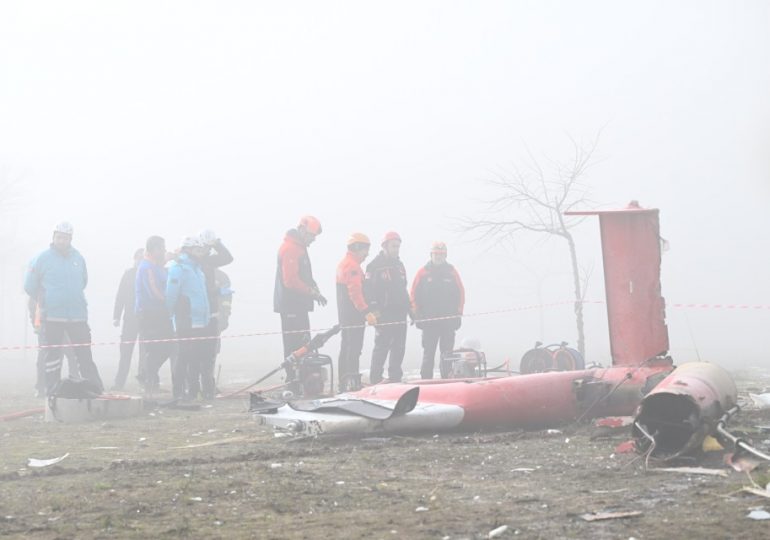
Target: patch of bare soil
x,y
214,473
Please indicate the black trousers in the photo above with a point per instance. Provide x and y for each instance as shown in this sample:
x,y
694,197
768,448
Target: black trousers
x,y
54,333
350,353
128,336
298,327
69,354
206,373
155,325
193,356
390,345
432,336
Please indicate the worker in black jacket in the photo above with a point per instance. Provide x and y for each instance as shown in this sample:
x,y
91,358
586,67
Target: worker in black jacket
x,y
385,288
216,255
438,299
125,309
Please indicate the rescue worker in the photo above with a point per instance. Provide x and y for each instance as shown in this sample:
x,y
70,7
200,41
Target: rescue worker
x,y
216,255
386,293
295,289
125,308
437,293
352,310
57,278
187,299
153,318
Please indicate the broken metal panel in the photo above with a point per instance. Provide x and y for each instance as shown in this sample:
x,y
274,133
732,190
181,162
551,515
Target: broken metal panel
x,y
678,414
635,308
366,408
425,418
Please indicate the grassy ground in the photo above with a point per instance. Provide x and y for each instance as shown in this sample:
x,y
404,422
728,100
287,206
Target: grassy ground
x,y
214,473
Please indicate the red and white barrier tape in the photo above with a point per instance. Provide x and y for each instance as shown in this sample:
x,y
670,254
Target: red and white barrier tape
x,y
314,330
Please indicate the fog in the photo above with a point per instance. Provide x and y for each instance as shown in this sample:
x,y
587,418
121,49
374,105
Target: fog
x,y
130,119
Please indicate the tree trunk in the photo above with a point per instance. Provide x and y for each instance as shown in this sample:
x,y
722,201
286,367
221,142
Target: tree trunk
x,y
581,344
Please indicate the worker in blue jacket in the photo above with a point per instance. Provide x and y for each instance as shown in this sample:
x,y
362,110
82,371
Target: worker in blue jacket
x,y
57,278
188,302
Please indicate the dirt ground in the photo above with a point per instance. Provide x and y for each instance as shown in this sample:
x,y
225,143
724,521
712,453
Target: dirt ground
x,y
214,473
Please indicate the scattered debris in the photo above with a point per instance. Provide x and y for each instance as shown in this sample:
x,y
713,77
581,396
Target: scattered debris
x,y
610,426
39,463
742,461
614,421
627,447
692,470
276,465
758,515
421,509
601,516
757,491
760,401
212,443
523,469
494,533
710,444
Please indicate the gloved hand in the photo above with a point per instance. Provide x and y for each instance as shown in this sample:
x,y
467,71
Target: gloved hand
x,y
209,238
116,323
319,298
371,318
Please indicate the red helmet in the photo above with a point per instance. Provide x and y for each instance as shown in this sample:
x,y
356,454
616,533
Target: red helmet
x,y
310,224
390,235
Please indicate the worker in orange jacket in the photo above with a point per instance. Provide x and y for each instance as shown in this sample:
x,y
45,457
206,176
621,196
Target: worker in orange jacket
x,y
295,289
437,295
353,310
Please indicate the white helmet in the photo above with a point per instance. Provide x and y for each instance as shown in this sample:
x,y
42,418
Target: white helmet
x,y
191,241
471,343
65,227
208,237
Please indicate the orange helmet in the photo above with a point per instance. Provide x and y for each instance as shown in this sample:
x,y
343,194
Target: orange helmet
x,y
310,224
438,247
390,235
358,238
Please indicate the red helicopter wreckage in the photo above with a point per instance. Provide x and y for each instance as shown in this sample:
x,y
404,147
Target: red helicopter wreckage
x,y
674,409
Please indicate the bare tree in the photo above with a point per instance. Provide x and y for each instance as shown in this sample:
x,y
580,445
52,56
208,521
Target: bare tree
x,y
533,197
